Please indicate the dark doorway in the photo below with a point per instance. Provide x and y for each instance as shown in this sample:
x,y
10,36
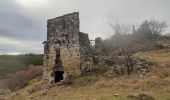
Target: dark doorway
x,y
58,76
59,71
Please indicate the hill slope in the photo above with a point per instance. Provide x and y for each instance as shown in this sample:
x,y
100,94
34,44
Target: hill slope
x,y
156,84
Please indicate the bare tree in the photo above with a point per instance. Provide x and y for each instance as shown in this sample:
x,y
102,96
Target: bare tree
x,y
157,28
121,38
120,29
128,61
152,29
121,32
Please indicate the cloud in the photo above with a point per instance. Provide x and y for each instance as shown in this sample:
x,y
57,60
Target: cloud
x,y
18,26
23,22
31,3
19,47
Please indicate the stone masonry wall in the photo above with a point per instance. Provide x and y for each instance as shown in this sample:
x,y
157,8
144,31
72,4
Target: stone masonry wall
x,y
85,56
63,34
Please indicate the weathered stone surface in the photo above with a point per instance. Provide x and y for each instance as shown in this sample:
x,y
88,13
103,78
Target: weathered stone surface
x,y
63,34
118,66
98,46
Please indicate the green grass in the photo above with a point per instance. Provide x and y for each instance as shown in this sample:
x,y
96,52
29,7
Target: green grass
x,y
14,63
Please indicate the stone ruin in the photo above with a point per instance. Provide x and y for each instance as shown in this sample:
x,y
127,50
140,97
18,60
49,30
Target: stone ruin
x,y
66,48
67,52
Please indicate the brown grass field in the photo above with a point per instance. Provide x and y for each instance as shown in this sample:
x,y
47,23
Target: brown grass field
x,y
156,83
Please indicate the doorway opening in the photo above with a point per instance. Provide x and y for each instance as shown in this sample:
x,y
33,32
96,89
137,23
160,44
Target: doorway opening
x,y
59,71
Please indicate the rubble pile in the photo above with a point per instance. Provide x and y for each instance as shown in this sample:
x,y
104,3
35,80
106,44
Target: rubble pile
x,y
138,66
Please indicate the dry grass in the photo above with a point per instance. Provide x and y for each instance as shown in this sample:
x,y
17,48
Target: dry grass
x,y
161,61
105,89
156,83
161,72
159,57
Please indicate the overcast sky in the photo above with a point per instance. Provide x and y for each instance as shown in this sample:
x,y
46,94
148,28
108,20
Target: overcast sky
x,y
23,22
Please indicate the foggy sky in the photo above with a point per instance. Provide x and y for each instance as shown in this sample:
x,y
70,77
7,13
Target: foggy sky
x,y
23,22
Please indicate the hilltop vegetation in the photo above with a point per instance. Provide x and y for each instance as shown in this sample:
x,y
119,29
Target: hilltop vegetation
x,y
103,87
17,70
15,63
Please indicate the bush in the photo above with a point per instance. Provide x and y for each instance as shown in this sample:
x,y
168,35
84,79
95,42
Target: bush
x,y
14,63
32,72
21,78
2,85
17,80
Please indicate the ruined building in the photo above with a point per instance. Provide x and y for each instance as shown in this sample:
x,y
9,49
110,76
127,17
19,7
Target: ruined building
x,y
66,48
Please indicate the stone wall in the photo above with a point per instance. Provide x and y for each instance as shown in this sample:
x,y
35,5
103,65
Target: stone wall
x,y
84,43
85,52
98,45
63,34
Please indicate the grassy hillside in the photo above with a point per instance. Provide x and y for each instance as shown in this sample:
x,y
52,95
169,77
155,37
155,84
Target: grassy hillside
x,y
14,63
156,84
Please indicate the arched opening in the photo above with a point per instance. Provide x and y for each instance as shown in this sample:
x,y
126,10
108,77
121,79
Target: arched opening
x,y
59,71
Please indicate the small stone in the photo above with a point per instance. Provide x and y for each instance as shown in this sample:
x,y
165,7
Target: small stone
x,y
116,95
162,65
44,92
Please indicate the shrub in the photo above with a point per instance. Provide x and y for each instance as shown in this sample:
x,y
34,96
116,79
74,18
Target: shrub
x,y
18,80
21,78
32,72
14,63
2,85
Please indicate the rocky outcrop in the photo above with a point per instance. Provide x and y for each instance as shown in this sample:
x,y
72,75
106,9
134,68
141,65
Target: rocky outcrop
x,y
119,67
